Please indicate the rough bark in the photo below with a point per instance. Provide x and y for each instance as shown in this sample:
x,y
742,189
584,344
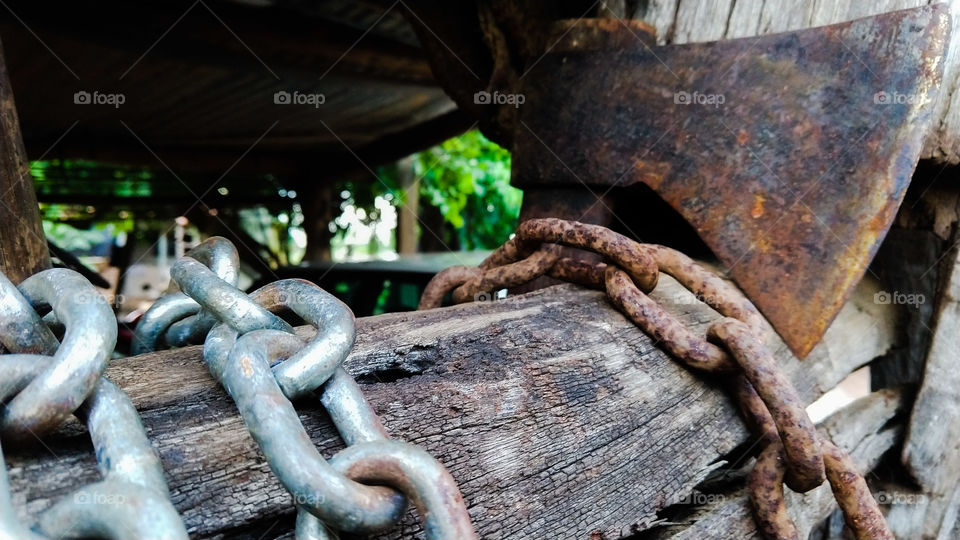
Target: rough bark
x,y
23,246
556,415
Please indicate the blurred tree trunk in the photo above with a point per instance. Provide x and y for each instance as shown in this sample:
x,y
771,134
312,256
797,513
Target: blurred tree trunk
x,y
318,208
408,212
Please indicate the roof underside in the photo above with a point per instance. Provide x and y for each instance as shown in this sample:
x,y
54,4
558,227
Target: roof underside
x,y
199,79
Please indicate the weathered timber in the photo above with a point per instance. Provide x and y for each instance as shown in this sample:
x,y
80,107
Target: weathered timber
x,y
932,448
556,415
861,429
23,247
919,261
688,21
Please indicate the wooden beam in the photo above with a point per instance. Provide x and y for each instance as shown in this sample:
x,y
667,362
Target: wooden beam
x,y
291,44
23,246
558,417
862,428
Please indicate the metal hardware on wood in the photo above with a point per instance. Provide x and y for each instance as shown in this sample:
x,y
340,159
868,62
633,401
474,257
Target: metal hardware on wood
x,y
44,381
794,451
263,365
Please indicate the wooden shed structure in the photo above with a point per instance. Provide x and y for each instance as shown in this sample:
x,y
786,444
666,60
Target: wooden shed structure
x,y
558,417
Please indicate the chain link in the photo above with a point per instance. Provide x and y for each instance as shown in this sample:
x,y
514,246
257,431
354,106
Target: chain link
x,y
263,365
255,354
41,390
794,452
176,319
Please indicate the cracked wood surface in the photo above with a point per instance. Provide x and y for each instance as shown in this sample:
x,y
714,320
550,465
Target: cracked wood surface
x,y
556,415
861,429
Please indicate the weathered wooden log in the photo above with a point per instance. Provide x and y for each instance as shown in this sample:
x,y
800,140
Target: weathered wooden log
x,y
861,429
557,416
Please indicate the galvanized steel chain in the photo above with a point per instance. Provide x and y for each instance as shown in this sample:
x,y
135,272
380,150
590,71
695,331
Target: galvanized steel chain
x,y
263,365
45,380
794,452
176,319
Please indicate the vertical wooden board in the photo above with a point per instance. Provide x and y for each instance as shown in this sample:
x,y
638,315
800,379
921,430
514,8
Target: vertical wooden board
x,y
660,14
23,247
744,20
702,21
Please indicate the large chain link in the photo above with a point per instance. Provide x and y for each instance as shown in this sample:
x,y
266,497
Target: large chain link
x,y
794,452
263,365
45,380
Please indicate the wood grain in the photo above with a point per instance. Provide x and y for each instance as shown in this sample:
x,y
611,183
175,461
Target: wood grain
x,y
556,415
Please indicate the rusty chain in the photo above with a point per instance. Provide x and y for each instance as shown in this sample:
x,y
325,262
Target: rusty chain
x,y
45,380
263,365
793,451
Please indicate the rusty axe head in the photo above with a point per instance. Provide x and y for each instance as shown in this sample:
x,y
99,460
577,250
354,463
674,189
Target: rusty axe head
x,y
789,153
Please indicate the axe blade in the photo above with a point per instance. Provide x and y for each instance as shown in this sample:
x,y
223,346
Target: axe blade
x,y
789,153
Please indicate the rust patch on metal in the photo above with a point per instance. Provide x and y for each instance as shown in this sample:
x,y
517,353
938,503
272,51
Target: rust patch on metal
x,y
815,120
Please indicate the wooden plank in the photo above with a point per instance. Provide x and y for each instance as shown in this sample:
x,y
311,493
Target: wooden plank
x,y
557,416
687,21
23,246
861,429
931,451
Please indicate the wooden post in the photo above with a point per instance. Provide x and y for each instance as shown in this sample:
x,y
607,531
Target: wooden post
x,y
23,246
317,204
407,215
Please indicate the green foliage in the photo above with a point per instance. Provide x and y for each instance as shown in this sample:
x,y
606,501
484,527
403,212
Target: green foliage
x,y
468,179
72,239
